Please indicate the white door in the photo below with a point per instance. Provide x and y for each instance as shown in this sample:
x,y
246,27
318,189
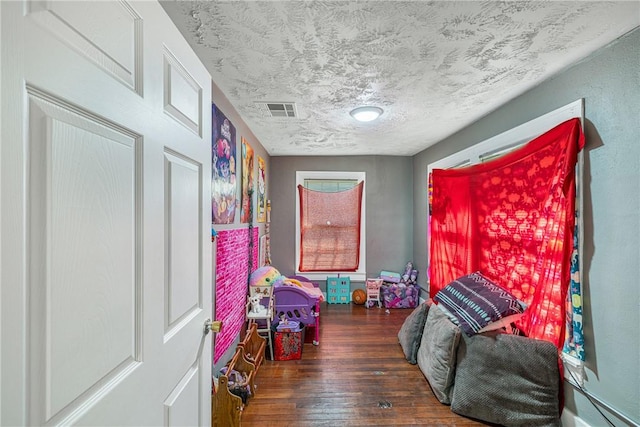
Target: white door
x,y
104,210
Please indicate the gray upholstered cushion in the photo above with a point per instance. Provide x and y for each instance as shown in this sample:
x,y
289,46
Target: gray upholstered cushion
x,y
437,353
508,380
410,333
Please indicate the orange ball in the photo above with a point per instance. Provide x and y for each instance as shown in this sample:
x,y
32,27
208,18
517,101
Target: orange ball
x,y
359,296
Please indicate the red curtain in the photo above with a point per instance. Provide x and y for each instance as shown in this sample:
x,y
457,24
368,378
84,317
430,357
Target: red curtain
x,y
330,229
512,218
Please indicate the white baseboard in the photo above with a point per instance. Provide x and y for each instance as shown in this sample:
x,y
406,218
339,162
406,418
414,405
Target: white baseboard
x,y
569,419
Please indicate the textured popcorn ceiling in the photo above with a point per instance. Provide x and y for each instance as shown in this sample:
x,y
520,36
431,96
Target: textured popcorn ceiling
x,y
433,66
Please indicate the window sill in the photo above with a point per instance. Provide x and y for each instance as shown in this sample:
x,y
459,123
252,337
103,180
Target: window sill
x,y
354,276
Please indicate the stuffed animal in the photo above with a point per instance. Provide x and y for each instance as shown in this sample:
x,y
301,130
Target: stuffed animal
x,y
291,282
407,272
264,276
256,307
410,275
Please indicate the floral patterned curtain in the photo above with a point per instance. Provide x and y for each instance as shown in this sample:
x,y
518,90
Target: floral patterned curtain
x,y
574,337
513,219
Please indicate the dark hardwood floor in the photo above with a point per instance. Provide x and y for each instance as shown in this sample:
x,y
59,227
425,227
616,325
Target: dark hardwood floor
x,y
357,376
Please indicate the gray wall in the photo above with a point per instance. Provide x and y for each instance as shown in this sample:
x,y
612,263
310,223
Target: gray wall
x,y
242,130
389,210
609,81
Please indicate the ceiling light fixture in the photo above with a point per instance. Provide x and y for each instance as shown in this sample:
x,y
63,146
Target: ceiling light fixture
x,y
366,114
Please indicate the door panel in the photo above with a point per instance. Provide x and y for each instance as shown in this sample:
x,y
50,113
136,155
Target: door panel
x,y
108,33
182,94
182,259
106,251
83,259
181,406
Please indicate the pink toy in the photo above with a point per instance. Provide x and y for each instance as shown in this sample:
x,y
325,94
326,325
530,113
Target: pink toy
x,y
373,293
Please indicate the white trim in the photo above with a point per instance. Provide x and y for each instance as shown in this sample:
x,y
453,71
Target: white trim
x,y
573,370
353,276
520,135
361,273
569,419
517,135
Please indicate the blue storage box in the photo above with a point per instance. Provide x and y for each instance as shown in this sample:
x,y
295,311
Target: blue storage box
x,y
338,290
390,276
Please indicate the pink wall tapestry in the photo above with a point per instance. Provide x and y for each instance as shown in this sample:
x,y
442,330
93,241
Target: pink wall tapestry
x,y
232,264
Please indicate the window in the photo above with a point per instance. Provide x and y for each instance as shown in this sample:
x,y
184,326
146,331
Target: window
x,y
335,254
510,140
507,141
330,185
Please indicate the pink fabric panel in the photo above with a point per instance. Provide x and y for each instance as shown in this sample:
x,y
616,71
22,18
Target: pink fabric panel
x,y
232,264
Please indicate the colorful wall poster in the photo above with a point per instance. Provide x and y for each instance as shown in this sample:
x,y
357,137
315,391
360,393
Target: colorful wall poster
x,y
223,170
247,181
262,184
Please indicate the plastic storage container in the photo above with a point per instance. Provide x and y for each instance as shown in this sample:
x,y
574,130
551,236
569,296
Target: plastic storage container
x,y
338,290
288,345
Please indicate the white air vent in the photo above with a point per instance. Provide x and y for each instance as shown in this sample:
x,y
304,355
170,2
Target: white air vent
x,y
278,109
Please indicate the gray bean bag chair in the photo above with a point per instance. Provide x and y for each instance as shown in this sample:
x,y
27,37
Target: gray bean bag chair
x,y
437,353
507,379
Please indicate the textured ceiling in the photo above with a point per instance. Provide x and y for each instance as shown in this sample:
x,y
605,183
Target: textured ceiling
x,y
433,66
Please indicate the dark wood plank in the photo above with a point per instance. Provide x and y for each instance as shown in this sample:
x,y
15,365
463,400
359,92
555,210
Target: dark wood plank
x,y
347,380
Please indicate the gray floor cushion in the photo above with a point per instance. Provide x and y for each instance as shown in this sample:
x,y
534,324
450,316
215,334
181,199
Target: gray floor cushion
x,y
507,379
410,334
437,353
